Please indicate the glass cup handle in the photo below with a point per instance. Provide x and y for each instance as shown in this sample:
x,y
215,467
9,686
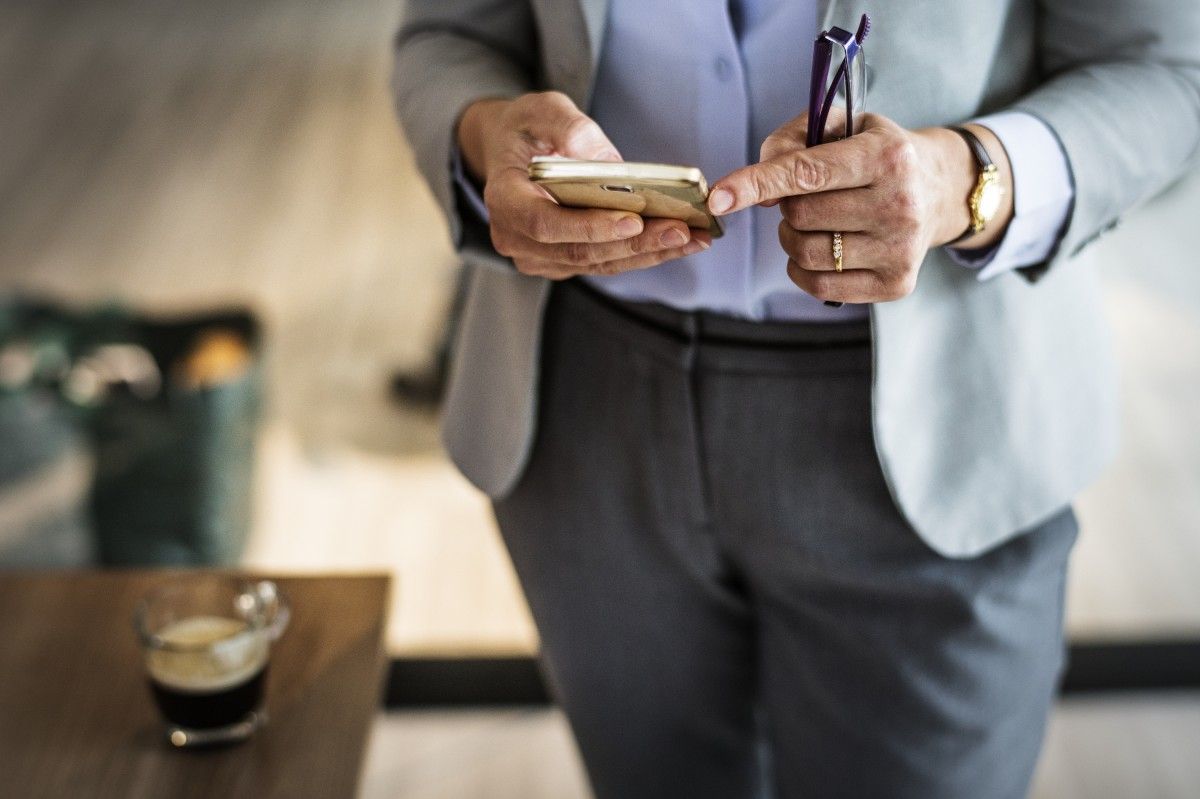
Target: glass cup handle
x,y
274,608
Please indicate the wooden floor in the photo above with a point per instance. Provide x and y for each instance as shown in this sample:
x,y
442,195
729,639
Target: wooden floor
x,y
176,155
1140,747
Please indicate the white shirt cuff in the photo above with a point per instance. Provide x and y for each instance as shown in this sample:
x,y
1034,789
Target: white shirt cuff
x,y
1043,193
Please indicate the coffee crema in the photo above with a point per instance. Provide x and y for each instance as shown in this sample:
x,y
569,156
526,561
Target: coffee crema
x,y
210,671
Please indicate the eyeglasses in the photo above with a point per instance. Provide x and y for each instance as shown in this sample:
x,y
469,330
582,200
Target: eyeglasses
x,y
850,80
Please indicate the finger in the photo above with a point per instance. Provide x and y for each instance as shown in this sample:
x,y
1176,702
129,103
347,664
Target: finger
x,y
659,234
646,260
540,267
813,251
557,270
853,285
828,167
569,131
518,205
847,210
793,135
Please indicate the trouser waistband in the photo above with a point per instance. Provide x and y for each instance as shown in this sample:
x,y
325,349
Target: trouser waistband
x,y
708,327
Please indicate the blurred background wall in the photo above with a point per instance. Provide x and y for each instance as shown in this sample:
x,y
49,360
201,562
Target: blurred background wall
x,y
181,155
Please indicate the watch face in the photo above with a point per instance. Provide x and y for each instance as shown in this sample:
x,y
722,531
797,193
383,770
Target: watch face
x,y
990,195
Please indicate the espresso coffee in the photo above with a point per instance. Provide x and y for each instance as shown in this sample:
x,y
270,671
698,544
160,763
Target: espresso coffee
x,y
209,673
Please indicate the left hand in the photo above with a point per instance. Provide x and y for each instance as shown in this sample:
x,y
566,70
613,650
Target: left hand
x,y
892,193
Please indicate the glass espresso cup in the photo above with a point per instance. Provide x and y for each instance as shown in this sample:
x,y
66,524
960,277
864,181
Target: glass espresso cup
x,y
207,641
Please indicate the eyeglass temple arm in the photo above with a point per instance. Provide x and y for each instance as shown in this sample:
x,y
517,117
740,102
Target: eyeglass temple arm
x,y
822,52
838,77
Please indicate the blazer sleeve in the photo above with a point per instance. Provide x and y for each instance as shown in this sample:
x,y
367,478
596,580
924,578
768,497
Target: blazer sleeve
x,y
449,53
1121,90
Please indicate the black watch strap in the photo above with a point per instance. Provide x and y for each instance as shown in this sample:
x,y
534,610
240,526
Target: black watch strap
x,y
982,160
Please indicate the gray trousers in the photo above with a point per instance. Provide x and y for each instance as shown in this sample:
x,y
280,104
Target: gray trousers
x,y
729,602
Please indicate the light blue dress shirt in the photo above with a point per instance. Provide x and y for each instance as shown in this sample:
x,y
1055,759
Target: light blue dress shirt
x,y
703,83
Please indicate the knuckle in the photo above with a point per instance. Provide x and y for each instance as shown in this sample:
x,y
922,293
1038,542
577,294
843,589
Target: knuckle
x,y
771,146
650,259
817,251
501,242
591,232
787,239
578,131
915,250
607,268
493,197
800,278
549,99
901,286
821,285
661,257
762,184
809,174
793,271
537,227
795,211
899,155
906,208
527,267
887,271
576,253
905,251
872,120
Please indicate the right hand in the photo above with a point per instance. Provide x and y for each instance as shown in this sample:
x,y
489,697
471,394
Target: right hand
x,y
497,139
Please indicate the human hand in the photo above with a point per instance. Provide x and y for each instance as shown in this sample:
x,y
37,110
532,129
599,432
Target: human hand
x,y
892,193
499,137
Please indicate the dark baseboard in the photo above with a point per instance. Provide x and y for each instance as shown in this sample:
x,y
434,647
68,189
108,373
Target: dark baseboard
x,y
1133,666
464,682
482,681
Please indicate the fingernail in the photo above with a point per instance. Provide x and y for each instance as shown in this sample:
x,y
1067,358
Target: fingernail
x,y
720,201
694,246
629,226
673,238
609,155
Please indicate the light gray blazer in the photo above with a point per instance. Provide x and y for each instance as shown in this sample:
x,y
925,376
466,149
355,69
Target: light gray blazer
x,y
994,401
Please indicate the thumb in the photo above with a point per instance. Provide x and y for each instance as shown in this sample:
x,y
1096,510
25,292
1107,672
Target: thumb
x,y
792,135
572,133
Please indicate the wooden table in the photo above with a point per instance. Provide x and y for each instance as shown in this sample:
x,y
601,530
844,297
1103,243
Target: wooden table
x,y
76,717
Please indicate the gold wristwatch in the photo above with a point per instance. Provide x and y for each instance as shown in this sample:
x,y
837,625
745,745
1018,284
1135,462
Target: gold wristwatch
x,y
984,200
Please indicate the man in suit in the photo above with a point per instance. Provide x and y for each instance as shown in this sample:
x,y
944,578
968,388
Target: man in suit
x,y
749,523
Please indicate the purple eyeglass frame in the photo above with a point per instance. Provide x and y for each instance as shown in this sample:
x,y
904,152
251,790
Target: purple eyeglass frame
x,y
822,90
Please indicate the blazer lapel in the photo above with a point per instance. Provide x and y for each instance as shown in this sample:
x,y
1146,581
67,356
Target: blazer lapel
x,y
825,9
595,15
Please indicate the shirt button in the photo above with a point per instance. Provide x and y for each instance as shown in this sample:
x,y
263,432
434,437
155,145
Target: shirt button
x,y
723,68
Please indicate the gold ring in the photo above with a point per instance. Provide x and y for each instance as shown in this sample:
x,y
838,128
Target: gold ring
x,y
837,251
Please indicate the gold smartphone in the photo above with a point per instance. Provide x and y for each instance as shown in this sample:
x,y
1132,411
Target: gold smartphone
x,y
650,190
